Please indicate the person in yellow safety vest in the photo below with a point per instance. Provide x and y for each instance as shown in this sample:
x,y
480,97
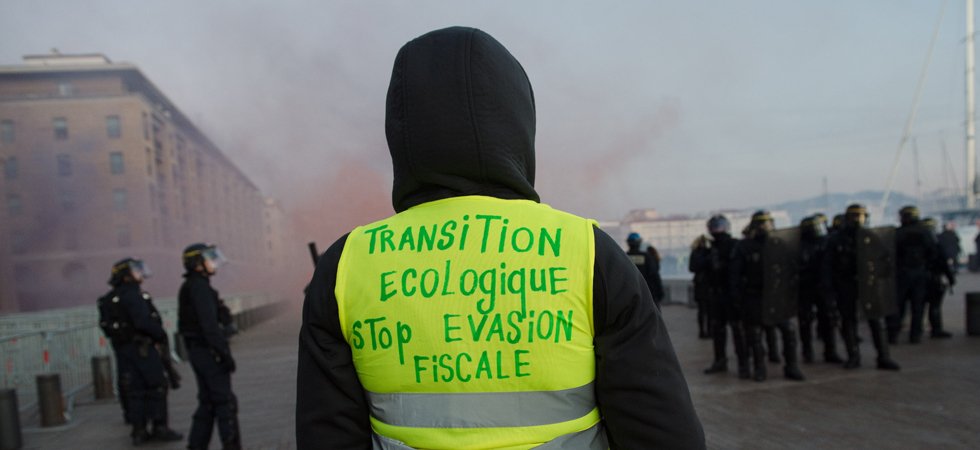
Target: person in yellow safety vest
x,y
476,316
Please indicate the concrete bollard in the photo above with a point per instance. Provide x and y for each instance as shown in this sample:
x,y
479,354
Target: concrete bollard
x,y
10,438
49,400
973,313
102,377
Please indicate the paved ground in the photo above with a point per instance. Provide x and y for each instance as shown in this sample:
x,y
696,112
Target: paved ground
x,y
934,402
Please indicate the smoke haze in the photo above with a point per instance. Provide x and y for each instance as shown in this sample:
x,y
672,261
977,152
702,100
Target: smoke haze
x,y
677,107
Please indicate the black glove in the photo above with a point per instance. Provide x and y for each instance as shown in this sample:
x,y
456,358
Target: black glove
x,y
227,362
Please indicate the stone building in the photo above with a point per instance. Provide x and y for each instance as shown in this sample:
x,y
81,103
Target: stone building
x,y
97,165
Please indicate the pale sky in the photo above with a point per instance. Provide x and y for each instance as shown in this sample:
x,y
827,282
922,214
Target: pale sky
x,y
679,106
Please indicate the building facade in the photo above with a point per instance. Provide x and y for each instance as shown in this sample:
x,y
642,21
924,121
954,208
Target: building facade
x,y
98,165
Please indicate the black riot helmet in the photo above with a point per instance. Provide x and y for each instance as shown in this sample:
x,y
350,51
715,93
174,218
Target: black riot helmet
x,y
814,226
820,217
128,269
837,223
761,222
634,240
718,224
856,215
930,224
200,254
909,214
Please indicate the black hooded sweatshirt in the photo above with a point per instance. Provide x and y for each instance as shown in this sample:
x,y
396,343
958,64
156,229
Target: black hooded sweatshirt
x,y
460,120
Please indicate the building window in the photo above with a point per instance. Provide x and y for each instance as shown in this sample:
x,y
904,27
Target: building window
x,y
119,199
123,237
65,89
112,127
10,168
60,128
7,131
116,163
149,162
64,165
14,205
67,200
18,242
146,127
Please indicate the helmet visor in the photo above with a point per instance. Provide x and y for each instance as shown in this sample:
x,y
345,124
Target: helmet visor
x,y
140,269
214,255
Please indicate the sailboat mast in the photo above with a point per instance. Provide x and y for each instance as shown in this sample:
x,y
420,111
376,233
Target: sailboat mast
x,y
971,150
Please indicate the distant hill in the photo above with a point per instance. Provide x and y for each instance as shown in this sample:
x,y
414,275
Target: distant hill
x,y
836,203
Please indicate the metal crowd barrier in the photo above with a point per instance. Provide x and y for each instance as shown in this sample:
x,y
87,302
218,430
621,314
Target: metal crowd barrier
x,y
64,342
678,290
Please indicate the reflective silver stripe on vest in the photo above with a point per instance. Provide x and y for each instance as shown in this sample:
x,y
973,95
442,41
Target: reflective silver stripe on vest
x,y
593,438
483,409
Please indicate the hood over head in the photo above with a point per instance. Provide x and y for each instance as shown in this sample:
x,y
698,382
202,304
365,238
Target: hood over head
x,y
460,120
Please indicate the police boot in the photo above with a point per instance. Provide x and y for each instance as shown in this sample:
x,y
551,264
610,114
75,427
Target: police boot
x,y
853,352
893,335
941,334
720,365
830,349
721,362
760,371
704,326
165,434
759,361
139,435
807,353
792,372
742,353
885,362
772,347
936,321
806,343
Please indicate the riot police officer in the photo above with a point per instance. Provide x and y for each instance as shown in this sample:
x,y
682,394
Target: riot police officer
x,y
815,302
647,264
916,250
133,325
208,349
841,267
940,268
698,263
722,311
749,271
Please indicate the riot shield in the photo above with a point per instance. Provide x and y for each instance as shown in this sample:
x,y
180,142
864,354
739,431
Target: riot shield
x,y
780,277
876,272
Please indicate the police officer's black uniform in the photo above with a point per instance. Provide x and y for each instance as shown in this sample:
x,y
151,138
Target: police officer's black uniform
x,y
209,353
132,323
840,268
722,310
698,263
747,273
647,264
916,250
815,302
940,268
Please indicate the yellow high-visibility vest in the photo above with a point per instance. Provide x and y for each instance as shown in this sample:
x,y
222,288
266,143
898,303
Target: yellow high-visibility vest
x,y
470,323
